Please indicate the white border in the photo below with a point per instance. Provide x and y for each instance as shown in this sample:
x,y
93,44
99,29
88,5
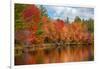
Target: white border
x,y
68,65
79,3
12,36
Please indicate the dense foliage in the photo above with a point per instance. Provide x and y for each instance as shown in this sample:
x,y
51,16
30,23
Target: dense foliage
x,y
33,26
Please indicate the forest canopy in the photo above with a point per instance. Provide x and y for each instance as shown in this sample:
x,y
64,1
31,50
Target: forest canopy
x,y
33,25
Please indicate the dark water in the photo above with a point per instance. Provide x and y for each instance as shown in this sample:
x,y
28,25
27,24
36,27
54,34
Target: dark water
x,y
71,53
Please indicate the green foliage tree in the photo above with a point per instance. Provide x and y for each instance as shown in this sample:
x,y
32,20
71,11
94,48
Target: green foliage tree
x,y
43,11
18,22
90,25
77,19
67,20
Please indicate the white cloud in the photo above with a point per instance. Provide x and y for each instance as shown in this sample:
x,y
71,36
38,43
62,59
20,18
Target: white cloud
x,y
58,9
74,11
64,12
71,12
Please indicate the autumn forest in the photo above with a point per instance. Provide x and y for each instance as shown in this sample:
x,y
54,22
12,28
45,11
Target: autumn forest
x,y
41,38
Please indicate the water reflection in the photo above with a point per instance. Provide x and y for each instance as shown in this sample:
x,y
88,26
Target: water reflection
x,y
71,53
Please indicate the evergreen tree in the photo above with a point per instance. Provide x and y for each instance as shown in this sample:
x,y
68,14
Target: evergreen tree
x,y
43,11
77,19
67,20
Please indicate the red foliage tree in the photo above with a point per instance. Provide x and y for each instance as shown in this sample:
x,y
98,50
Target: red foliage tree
x,y
59,24
31,14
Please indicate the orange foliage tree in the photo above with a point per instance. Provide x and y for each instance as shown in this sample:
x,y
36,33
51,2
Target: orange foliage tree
x,y
38,28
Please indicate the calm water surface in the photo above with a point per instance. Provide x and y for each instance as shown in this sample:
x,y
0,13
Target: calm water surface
x,y
72,53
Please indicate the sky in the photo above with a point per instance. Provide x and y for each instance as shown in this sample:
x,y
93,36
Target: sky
x,y
62,12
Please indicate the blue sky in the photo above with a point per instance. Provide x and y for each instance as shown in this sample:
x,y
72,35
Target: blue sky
x,y
61,12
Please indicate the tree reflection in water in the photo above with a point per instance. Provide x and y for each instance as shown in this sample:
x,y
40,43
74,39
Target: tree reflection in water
x,y
70,53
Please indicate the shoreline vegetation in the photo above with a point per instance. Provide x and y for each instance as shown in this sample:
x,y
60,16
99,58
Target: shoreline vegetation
x,y
36,47
36,31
